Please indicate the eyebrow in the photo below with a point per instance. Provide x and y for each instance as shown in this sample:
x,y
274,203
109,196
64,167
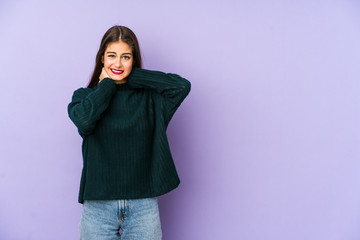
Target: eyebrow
x,y
121,54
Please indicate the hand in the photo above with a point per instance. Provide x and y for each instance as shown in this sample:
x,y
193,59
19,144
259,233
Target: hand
x,y
103,75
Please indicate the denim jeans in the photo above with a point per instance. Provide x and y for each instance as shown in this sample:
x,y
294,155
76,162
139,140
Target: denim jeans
x,y
135,219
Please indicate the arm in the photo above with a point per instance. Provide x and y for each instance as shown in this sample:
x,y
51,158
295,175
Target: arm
x,y
171,87
87,105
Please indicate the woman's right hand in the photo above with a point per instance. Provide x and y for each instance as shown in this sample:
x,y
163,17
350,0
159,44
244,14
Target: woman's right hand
x,y
103,75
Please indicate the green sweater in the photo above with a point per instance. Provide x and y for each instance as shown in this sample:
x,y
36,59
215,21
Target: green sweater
x,y
125,149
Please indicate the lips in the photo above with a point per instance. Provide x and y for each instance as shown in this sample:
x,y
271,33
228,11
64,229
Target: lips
x,y
116,72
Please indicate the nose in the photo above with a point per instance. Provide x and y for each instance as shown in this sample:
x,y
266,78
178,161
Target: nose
x,y
118,62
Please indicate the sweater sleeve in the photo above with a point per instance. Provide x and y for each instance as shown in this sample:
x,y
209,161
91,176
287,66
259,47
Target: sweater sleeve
x,y
88,104
172,88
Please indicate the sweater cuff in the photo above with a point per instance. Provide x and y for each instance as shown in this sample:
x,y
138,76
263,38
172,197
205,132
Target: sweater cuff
x,y
107,85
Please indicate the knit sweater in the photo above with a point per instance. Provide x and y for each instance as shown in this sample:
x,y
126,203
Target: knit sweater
x,y
125,149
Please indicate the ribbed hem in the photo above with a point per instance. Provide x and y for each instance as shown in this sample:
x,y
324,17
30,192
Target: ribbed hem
x,y
118,196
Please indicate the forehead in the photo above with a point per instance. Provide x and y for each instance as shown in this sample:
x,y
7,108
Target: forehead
x,y
118,47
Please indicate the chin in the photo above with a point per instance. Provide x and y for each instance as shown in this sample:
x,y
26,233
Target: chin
x,y
119,78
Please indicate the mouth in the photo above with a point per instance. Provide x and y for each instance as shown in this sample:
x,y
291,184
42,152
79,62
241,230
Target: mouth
x,y
116,72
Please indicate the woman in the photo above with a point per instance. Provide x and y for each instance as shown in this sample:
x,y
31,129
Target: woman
x,y
122,117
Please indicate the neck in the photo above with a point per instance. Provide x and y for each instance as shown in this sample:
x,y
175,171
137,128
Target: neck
x,y
120,81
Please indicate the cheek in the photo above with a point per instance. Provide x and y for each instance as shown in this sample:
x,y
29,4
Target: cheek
x,y
107,65
107,69
129,66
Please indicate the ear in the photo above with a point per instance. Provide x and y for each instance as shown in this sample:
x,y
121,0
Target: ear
x,y
102,59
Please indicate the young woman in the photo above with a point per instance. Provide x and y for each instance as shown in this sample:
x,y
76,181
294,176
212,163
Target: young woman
x,y
122,117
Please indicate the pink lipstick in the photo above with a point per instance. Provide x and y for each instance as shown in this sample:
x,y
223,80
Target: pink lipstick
x,y
117,72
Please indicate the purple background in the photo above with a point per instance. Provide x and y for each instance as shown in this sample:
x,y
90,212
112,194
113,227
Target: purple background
x,y
266,144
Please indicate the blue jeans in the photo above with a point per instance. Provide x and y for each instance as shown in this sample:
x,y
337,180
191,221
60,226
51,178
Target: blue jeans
x,y
120,219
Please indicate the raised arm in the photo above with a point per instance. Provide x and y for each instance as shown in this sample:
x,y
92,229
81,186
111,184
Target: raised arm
x,y
88,104
171,87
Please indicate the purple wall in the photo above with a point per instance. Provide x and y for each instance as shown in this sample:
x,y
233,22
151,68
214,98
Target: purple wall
x,y
266,144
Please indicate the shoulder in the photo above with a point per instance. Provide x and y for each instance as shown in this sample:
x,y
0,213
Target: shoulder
x,y
82,92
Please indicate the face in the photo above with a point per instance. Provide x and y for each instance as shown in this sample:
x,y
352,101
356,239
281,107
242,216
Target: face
x,y
118,61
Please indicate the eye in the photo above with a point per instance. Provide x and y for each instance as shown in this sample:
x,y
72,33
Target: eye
x,y
111,55
127,57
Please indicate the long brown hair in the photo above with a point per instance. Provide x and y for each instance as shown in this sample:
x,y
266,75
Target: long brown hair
x,y
115,34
